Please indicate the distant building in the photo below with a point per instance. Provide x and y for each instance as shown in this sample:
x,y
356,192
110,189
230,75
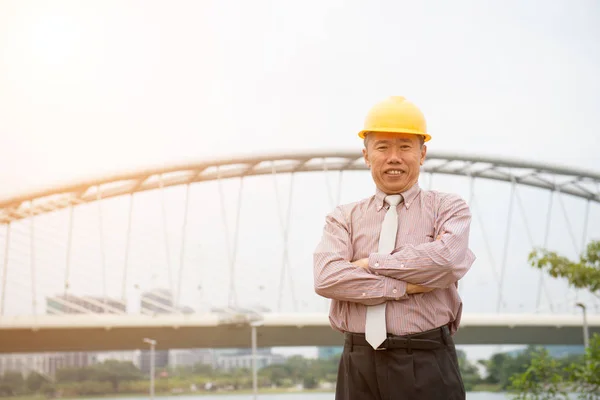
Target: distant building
x,y
554,351
123,356
191,357
325,353
45,364
242,358
161,360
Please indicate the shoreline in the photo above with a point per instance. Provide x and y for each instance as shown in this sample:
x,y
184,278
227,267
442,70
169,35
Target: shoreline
x,y
478,388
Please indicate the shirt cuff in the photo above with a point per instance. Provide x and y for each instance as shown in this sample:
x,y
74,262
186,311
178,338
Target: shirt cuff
x,y
377,261
393,289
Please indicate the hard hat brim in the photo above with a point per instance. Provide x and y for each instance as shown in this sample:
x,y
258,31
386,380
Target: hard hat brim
x,y
363,133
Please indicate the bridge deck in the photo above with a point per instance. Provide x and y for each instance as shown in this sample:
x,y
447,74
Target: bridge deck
x,y
125,332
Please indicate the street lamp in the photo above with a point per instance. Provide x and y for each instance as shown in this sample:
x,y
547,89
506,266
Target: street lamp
x,y
586,340
152,344
254,325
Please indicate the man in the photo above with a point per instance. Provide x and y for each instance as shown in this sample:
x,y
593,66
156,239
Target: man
x,y
391,265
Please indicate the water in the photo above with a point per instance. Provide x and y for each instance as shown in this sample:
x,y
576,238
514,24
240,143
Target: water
x,y
292,396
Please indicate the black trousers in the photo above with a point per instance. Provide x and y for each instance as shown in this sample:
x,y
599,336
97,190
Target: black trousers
x,y
422,366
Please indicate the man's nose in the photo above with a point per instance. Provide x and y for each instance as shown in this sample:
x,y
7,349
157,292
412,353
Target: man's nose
x,y
394,157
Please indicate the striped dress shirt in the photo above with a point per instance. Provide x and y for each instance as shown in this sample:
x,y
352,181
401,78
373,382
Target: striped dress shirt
x,y
351,232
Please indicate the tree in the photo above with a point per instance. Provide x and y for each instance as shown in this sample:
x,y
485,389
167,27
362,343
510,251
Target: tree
x,y
12,383
582,274
116,372
35,381
544,377
542,380
468,371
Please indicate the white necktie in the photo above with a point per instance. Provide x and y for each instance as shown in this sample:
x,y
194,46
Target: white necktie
x,y
375,328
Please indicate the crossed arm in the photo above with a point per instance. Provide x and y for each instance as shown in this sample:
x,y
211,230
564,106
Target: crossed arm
x,y
409,269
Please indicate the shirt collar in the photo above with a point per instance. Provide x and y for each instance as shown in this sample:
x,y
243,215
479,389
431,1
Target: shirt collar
x,y
408,196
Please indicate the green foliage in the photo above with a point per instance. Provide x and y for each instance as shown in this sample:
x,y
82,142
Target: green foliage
x,y
34,382
541,380
111,371
582,274
500,367
11,383
310,381
585,376
468,371
547,378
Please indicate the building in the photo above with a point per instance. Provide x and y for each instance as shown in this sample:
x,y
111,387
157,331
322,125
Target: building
x,y
325,353
70,304
123,356
242,358
191,357
45,364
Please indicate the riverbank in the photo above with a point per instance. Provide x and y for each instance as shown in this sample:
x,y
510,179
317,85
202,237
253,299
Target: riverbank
x,y
478,388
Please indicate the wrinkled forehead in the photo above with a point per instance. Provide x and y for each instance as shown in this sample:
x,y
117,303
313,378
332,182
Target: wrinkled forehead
x,y
376,137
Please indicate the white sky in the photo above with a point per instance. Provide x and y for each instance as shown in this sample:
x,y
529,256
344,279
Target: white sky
x,y
96,86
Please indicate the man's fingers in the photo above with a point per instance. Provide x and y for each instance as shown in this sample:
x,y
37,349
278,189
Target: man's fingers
x,y
412,289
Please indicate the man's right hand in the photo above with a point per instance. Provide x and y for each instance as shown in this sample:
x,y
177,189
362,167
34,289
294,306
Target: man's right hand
x,y
415,289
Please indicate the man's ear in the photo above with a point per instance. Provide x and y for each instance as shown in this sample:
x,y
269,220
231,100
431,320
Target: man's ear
x,y
423,153
366,157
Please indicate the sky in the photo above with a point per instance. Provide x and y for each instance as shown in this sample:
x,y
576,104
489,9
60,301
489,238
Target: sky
x,y
88,88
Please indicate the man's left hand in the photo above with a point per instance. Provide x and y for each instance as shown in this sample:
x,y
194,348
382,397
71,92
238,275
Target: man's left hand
x,y
363,263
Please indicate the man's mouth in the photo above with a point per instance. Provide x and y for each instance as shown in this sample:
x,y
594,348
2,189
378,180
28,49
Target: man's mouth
x,y
394,172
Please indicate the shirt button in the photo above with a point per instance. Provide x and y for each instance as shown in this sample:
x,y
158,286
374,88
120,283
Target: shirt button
x,y
401,265
394,291
377,264
364,294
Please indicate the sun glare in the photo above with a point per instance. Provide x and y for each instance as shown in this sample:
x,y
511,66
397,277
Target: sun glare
x,y
54,40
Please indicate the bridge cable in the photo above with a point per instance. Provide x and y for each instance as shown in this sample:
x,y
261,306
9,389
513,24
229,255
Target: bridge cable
x,y
68,252
486,241
102,249
529,234
127,250
231,251
165,230
5,268
183,237
506,243
32,259
546,235
285,229
571,232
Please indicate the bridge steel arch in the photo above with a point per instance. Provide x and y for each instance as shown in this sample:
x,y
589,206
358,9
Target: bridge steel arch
x,y
576,182
580,183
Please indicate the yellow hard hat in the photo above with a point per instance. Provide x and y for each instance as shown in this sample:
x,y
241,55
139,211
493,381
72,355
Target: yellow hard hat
x,y
395,114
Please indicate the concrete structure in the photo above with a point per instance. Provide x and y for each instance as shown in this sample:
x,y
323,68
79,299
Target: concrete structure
x,y
123,332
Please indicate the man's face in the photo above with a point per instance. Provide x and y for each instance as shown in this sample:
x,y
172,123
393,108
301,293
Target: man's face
x,y
394,160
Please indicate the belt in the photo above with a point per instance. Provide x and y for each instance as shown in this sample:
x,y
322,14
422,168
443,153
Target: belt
x,y
428,340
